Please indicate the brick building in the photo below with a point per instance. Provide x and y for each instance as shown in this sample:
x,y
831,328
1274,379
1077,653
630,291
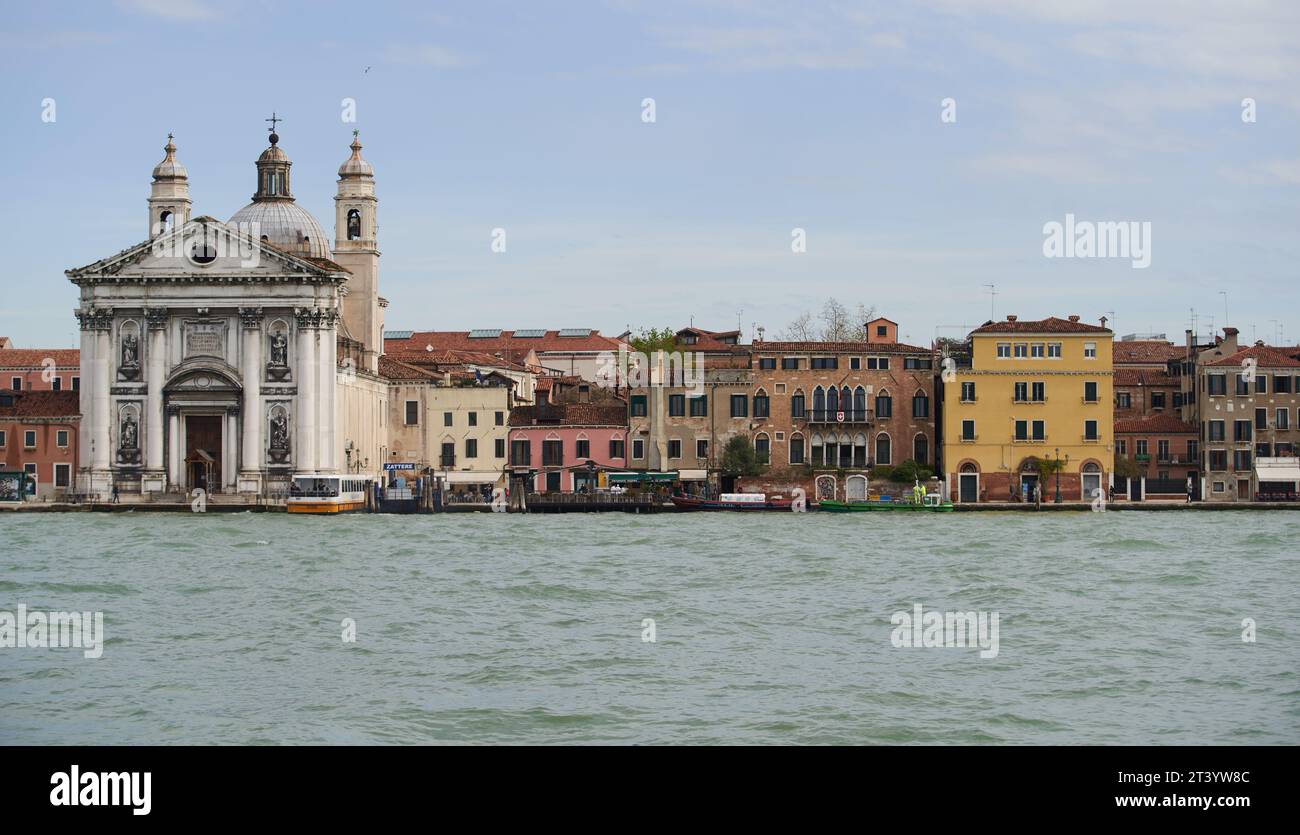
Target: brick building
x,y
1146,378
681,422
39,436
823,414
1164,451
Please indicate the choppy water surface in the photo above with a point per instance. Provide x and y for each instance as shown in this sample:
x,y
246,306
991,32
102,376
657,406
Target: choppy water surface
x,y
771,628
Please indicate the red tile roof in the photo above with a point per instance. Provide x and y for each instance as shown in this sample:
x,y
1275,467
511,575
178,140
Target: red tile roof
x,y
1049,325
43,404
1155,425
1144,377
1264,356
395,370
838,348
35,357
507,341
571,414
711,341
1146,352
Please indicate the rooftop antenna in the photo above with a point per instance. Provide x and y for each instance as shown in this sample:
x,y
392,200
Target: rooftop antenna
x,y
740,319
1110,319
1224,293
993,294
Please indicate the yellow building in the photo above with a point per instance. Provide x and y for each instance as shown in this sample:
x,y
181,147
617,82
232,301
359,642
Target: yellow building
x,y
1034,390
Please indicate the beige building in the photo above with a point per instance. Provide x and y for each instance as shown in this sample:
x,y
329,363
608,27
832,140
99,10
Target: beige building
x,y
451,424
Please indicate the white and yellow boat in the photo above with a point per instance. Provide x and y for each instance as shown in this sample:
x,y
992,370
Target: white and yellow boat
x,y
329,493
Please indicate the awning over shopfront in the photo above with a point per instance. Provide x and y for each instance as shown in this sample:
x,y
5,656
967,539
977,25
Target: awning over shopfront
x,y
1277,469
693,475
642,478
472,478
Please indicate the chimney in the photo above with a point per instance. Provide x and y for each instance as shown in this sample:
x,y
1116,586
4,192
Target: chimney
x,y
1011,318
1191,340
1075,318
1229,342
1104,320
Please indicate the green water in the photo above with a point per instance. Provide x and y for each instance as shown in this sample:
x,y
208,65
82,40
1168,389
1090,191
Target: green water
x,y
770,628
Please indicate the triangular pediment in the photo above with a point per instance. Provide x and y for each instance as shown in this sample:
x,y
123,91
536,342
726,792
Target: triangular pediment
x,y
205,249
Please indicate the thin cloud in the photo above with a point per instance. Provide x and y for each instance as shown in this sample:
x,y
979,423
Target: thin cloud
x,y
171,9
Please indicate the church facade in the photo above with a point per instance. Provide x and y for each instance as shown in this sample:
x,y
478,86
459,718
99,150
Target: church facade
x,y
230,357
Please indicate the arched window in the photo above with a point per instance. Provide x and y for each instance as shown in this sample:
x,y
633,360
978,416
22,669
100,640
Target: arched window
x,y
819,404
762,406
818,451
860,450
921,449
859,403
354,224
884,404
883,457
796,449
832,402
920,405
165,221
796,405
832,450
762,448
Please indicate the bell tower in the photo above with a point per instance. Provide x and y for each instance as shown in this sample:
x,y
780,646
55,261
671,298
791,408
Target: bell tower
x,y
169,194
356,247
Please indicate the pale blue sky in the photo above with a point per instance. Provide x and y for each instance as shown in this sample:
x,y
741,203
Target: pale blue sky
x,y
770,116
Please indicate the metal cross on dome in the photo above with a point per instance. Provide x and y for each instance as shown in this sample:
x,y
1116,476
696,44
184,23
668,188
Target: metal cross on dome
x,y
274,118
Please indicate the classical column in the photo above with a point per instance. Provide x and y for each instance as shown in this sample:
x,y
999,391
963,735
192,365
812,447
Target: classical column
x,y
174,447
157,363
251,459
229,447
101,379
304,445
86,396
327,417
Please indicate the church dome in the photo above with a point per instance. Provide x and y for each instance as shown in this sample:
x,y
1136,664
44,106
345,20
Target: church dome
x,y
285,224
279,220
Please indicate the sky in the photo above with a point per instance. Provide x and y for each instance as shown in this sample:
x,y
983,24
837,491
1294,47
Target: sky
x,y
833,118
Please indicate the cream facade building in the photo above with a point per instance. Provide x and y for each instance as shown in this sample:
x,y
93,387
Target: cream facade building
x,y
232,356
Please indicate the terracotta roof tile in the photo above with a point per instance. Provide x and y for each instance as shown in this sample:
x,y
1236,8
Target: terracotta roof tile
x,y
43,404
1146,352
1264,356
838,348
1049,325
1143,377
1155,425
35,357
571,414
460,340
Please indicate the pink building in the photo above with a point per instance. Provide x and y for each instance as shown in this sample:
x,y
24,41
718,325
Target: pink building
x,y
38,436
39,369
556,442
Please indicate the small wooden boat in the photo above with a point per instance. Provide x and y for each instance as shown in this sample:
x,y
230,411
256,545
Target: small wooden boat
x,y
734,501
928,503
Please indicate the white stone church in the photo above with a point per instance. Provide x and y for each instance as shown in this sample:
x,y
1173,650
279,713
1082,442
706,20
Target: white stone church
x,y
232,356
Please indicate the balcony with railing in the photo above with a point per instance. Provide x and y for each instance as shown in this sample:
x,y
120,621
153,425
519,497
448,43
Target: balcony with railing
x,y
828,416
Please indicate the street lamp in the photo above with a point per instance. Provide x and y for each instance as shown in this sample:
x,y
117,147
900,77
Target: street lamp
x,y
1058,472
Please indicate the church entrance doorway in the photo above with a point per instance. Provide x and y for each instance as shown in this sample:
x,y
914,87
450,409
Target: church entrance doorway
x,y
203,452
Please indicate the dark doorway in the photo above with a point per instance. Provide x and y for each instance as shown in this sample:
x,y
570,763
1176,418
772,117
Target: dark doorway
x,y
553,482
203,452
968,487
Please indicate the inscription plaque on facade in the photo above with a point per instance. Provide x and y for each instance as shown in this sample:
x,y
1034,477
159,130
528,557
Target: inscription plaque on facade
x,y
205,339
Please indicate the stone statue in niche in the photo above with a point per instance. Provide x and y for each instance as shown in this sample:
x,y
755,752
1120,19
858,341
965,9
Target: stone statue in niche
x,y
278,367
128,446
279,438
129,367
